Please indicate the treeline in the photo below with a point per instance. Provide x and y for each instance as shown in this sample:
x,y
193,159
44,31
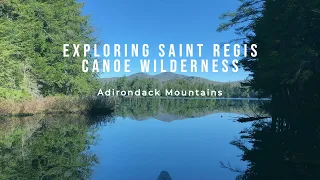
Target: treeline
x,y
288,61
230,90
32,34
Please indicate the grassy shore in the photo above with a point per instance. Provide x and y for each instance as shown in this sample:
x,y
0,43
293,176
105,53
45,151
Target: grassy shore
x,y
56,105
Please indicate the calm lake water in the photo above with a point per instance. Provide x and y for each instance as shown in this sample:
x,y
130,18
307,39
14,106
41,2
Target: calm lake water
x,y
188,139
189,148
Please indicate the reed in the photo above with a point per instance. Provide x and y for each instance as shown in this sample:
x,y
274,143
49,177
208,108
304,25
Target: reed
x,y
56,105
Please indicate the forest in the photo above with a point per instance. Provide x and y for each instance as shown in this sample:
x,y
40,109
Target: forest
x,y
229,90
32,34
288,65
287,68
32,63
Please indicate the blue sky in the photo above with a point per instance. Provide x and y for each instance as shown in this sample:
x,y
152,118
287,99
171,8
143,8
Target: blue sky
x,y
162,21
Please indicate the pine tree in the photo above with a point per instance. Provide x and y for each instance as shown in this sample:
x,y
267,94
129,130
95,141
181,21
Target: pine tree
x,y
32,36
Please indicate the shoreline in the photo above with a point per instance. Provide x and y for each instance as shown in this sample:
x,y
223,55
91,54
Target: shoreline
x,y
56,105
76,105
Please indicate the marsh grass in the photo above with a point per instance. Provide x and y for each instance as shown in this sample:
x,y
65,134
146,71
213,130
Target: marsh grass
x,y
56,105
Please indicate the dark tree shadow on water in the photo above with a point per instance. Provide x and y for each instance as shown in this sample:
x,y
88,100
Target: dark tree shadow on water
x,y
284,146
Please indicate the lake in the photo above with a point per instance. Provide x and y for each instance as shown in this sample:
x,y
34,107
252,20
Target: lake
x,y
181,138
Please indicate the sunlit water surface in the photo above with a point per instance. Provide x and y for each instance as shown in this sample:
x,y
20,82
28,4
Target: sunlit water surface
x,y
187,149
186,139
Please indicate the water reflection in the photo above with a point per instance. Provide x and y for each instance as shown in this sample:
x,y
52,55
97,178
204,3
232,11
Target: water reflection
x,y
139,145
284,146
78,147
178,109
164,175
47,148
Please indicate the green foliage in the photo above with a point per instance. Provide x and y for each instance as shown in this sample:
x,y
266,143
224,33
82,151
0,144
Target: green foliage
x,y
32,34
230,90
13,94
246,13
287,65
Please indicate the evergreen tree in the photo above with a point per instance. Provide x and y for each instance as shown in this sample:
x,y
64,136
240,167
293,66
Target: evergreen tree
x,y
285,31
32,34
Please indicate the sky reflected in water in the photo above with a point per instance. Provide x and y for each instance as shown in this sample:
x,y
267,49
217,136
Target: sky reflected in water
x,y
188,149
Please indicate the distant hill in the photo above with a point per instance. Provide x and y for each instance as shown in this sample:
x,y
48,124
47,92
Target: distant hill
x,y
168,76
